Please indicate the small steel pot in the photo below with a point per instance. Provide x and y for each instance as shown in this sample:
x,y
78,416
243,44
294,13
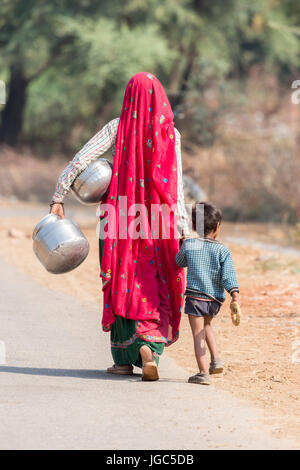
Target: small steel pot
x,y
92,184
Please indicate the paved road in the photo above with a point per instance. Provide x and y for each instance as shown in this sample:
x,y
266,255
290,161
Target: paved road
x,y
55,394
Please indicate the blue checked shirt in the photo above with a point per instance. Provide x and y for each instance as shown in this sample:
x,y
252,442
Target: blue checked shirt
x,y
210,268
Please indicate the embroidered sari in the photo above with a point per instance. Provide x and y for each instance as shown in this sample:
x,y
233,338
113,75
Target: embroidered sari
x,y
142,284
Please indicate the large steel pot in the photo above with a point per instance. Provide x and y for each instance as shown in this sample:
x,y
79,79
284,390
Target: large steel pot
x,y
92,184
59,244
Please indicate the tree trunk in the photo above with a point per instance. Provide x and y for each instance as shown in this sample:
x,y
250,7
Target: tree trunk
x,y
12,115
191,54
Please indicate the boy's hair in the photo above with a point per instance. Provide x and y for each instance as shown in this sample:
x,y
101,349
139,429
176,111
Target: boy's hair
x,y
212,217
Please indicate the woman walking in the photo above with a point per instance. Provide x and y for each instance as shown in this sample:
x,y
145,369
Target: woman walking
x,y
142,285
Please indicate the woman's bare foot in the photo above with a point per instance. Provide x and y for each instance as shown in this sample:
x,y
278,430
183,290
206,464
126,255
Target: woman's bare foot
x,y
150,371
147,354
120,370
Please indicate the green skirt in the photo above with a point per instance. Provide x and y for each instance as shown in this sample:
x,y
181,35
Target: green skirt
x,y
125,342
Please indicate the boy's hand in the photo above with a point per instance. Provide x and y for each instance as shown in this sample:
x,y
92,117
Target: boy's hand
x,y
235,297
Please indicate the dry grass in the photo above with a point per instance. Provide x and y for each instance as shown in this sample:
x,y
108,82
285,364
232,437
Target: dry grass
x,y
25,177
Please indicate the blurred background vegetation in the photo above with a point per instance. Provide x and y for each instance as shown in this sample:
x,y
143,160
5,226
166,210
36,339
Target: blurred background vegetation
x,y
227,67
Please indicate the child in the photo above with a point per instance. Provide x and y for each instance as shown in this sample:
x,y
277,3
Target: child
x,y
210,271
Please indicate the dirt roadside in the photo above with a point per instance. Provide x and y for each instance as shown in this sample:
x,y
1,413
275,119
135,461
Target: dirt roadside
x,y
262,360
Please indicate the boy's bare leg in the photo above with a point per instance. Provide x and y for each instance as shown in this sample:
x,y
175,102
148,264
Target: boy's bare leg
x,y
210,338
198,331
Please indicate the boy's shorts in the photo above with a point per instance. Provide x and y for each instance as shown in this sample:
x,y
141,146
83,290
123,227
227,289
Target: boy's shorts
x,y
201,308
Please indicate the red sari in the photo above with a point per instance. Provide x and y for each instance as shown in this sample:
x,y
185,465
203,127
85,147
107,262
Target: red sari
x,y
141,280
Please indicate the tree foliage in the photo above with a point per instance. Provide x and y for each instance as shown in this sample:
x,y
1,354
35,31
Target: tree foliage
x,y
67,62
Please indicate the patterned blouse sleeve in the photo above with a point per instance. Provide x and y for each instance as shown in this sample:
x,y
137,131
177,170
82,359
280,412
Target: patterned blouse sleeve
x,y
95,147
183,220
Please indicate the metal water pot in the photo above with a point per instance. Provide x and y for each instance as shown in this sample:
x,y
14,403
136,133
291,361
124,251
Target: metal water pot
x,y
59,244
92,184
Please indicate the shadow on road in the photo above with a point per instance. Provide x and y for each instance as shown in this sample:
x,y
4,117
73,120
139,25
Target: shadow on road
x,y
78,373
75,373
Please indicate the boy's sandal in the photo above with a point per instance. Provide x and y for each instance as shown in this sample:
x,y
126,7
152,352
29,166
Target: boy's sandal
x,y
150,372
216,367
201,379
235,313
120,370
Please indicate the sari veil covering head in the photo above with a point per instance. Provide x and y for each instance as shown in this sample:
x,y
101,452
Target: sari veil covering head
x,y
141,280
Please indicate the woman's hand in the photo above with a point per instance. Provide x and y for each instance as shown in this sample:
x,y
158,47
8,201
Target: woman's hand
x,y
57,209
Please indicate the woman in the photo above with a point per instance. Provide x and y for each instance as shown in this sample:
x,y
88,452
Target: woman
x,y
142,285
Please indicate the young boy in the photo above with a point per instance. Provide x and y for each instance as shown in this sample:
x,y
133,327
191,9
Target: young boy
x,y
210,273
